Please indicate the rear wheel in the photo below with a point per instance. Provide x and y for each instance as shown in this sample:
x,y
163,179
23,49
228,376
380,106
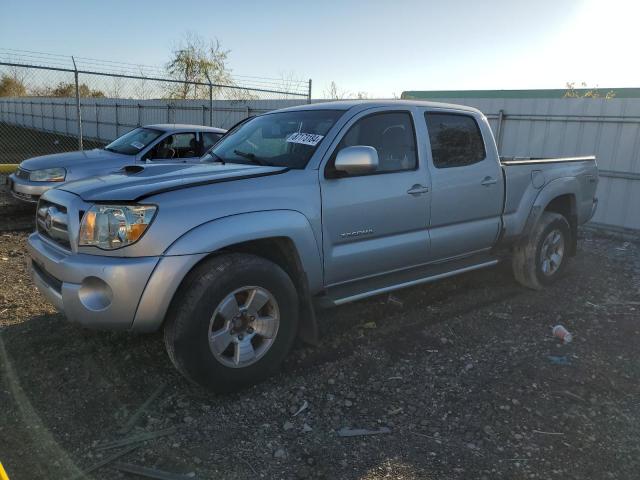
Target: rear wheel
x,y
232,322
542,258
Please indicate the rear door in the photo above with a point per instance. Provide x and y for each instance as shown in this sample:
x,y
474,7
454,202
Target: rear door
x,y
376,223
467,186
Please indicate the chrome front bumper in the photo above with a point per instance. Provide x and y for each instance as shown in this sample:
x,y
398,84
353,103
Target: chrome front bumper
x,y
28,191
95,291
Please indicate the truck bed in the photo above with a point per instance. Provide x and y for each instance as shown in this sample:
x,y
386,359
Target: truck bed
x,y
525,177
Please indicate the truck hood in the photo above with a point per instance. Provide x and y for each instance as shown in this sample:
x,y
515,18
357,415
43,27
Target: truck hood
x,y
135,182
68,159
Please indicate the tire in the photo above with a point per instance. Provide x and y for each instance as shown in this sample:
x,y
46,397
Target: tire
x,y
212,288
534,263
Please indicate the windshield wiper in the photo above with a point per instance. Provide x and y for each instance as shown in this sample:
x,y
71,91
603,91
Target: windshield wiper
x,y
252,157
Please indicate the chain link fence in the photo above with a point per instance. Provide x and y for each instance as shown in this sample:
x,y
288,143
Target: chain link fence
x,y
51,103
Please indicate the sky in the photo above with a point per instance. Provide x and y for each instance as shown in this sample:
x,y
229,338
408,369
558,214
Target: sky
x,y
377,47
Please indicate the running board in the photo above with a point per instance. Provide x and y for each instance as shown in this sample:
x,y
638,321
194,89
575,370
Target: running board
x,y
341,295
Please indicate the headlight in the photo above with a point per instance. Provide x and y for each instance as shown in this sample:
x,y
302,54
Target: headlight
x,y
115,226
48,175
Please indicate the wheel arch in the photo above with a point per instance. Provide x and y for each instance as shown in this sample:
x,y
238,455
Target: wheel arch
x,y
558,196
284,237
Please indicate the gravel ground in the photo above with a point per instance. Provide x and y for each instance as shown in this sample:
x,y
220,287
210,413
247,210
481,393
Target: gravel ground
x,y
463,375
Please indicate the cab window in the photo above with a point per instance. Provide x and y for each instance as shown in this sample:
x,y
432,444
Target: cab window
x,y
391,134
456,140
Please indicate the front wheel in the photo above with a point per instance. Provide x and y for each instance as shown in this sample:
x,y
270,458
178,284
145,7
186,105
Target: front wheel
x,y
232,322
542,258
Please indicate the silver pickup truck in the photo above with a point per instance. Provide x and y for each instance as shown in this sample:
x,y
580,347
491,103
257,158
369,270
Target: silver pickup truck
x,y
312,205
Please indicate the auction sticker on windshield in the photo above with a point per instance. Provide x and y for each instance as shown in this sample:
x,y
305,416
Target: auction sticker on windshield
x,y
137,145
305,138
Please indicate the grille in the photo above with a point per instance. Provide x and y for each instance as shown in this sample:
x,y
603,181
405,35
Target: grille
x,y
23,174
51,220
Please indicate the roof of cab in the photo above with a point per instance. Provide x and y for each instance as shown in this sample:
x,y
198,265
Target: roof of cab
x,y
174,127
349,104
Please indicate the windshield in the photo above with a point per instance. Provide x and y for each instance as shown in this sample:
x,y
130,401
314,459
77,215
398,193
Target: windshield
x,y
133,142
285,139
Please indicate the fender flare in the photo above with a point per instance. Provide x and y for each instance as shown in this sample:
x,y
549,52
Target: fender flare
x,y
196,244
550,191
223,232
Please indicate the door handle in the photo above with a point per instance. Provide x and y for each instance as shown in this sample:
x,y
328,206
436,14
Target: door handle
x,y
486,181
417,189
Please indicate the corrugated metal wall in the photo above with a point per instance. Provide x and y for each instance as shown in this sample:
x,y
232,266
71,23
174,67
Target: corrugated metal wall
x,y
609,129
107,118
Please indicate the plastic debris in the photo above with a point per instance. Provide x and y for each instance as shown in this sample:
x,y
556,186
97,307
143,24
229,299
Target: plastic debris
x,y
149,472
393,300
143,437
135,418
563,360
369,325
105,461
562,333
304,406
357,432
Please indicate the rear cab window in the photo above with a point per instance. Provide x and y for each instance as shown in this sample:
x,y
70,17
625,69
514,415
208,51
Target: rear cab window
x,y
456,139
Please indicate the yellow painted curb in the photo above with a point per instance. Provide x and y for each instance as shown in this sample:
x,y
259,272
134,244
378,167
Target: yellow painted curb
x,y
3,474
8,168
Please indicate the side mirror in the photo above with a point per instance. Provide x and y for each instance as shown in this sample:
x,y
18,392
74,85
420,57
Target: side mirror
x,y
357,160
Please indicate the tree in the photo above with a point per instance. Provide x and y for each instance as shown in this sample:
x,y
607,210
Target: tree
x,y
585,92
334,93
116,88
194,60
142,90
68,89
290,83
12,86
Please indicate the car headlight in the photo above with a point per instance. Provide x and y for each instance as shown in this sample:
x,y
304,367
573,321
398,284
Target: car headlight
x,y
114,226
48,175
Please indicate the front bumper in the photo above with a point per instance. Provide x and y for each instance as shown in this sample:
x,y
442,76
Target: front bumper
x,y
95,291
28,191
110,293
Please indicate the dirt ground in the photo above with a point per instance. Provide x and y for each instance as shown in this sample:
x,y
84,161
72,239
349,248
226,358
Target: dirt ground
x,y
463,373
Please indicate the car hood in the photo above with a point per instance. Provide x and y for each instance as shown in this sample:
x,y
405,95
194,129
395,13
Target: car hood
x,y
67,159
136,182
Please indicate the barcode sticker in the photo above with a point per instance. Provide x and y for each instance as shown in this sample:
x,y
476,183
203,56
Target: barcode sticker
x,y
305,138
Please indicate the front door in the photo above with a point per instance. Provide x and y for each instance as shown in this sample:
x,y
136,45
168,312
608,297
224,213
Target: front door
x,y
467,196
177,147
377,222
